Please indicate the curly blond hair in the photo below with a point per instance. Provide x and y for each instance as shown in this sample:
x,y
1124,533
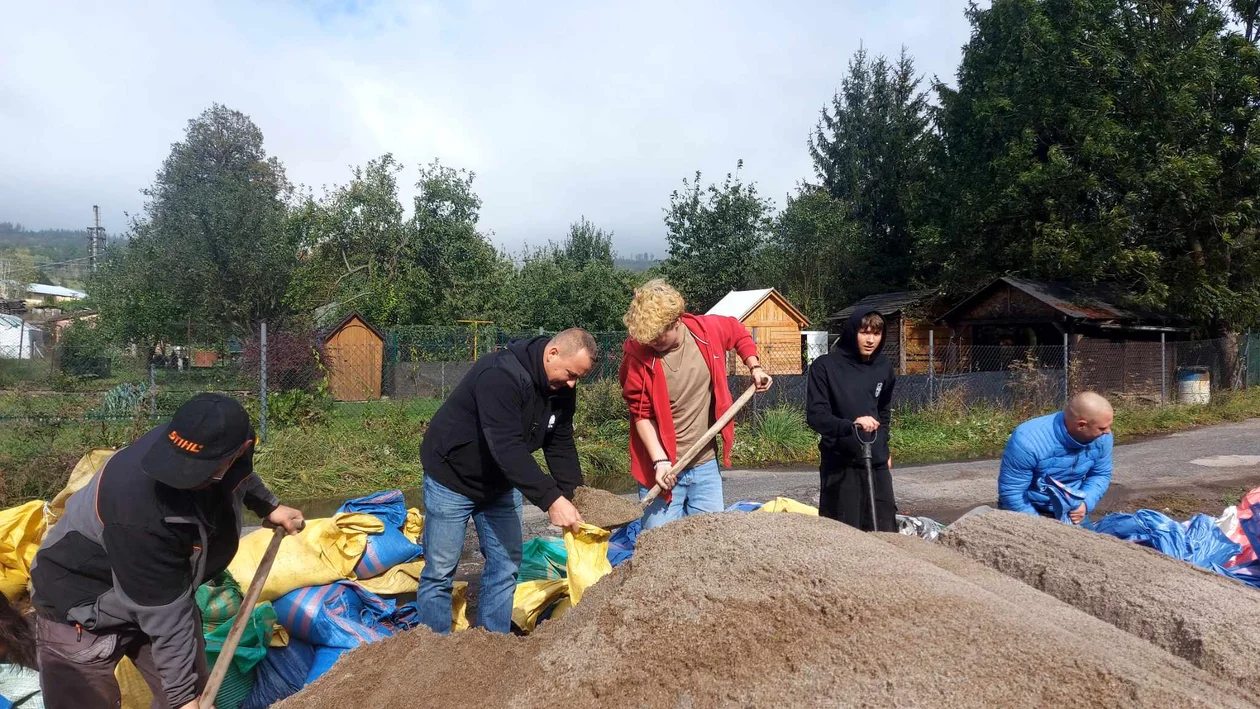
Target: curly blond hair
x,y
656,305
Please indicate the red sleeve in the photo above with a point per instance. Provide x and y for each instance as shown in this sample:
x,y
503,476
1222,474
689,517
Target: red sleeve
x,y
736,337
634,388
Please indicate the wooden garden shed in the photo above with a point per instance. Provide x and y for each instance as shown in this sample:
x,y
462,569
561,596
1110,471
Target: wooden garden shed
x,y
909,328
354,352
775,325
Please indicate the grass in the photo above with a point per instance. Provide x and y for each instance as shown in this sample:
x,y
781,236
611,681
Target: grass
x,y
353,449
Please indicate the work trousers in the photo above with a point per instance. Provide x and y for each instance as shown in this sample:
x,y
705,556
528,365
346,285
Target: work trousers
x,y
76,668
844,496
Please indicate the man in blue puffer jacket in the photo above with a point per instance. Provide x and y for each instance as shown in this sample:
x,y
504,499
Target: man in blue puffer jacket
x,y
1059,465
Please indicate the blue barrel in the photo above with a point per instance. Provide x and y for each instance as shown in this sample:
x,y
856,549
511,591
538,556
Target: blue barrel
x,y
1194,385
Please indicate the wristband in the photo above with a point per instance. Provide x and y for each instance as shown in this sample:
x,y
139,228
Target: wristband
x,y
662,460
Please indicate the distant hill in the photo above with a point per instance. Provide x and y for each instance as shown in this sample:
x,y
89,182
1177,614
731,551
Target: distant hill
x,y
636,262
42,255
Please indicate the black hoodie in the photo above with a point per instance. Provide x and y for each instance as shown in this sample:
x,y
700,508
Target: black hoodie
x,y
844,387
480,443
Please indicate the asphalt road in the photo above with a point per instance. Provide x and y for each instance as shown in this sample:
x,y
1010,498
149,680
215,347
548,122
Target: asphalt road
x,y
1207,461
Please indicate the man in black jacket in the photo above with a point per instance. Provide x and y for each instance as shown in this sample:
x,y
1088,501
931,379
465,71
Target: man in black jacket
x,y
851,389
478,461
117,575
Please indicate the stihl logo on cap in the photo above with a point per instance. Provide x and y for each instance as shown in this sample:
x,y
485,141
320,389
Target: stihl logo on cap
x,y
181,442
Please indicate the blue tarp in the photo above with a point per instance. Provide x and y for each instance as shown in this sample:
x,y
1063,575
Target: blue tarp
x,y
1198,541
745,506
389,548
281,674
341,615
621,543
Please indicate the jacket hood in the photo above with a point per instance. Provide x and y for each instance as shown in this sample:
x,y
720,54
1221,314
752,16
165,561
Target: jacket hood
x,y
848,336
530,354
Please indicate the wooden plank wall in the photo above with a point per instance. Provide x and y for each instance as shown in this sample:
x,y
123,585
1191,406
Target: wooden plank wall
x,y
778,338
356,357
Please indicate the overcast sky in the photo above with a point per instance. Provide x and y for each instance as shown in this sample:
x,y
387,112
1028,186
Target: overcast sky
x,y
562,109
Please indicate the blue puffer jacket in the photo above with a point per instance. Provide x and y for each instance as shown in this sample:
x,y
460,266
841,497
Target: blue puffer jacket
x,y
1044,470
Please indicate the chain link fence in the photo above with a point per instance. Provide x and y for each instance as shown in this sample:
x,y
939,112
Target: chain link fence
x,y
358,381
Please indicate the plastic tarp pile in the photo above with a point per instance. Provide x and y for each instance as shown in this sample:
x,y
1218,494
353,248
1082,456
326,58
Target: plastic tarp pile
x,y
1226,545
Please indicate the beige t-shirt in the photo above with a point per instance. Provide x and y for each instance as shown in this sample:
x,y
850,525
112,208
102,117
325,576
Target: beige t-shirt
x,y
690,388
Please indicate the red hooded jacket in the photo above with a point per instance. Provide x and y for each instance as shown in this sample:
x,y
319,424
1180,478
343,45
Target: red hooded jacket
x,y
643,387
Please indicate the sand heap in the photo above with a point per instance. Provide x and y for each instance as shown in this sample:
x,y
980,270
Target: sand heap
x,y
604,509
781,610
1208,619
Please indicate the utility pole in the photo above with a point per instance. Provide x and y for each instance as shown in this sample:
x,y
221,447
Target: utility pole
x,y
476,325
96,238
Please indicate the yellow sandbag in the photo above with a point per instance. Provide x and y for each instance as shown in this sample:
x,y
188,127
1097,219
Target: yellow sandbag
x,y
79,476
459,606
414,526
588,559
279,636
404,578
534,597
21,531
135,691
327,550
787,504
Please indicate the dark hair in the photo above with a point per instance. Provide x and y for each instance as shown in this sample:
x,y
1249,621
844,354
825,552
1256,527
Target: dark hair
x,y
574,339
17,637
871,321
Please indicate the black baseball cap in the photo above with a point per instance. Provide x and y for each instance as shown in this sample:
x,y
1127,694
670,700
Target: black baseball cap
x,y
207,429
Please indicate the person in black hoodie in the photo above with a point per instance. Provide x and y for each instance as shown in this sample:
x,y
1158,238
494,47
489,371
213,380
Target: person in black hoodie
x,y
852,388
478,461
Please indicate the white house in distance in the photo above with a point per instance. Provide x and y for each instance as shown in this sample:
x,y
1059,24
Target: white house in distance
x,y
19,339
43,294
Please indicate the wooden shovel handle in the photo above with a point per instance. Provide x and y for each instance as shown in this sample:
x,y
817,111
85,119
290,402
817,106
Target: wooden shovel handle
x,y
242,618
706,439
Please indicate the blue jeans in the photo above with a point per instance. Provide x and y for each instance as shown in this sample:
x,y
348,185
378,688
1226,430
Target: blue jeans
x,y
498,524
698,490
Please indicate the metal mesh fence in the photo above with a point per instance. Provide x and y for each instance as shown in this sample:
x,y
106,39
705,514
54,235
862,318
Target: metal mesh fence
x,y
353,381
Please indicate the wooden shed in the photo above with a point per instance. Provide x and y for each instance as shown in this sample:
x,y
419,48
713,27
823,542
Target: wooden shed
x,y
910,328
355,354
775,325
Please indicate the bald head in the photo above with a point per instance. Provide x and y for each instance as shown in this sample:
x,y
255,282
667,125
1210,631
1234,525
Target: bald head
x,y
569,356
1088,417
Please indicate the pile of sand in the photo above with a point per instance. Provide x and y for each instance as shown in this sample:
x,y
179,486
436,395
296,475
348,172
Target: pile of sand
x,y
604,509
1208,619
781,610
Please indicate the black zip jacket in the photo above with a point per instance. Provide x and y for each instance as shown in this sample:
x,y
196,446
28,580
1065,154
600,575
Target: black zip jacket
x,y
130,552
480,443
842,388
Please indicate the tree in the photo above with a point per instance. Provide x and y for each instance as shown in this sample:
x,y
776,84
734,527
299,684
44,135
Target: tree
x,y
433,268
813,256
714,235
572,284
1105,140
211,247
870,151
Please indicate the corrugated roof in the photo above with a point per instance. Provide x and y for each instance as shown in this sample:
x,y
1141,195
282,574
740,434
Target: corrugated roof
x,y
59,291
1072,302
739,303
13,321
884,303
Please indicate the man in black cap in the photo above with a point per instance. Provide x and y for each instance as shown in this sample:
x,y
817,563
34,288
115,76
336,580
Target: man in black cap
x,y
118,573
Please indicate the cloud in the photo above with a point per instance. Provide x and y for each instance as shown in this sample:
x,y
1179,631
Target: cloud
x,y
562,109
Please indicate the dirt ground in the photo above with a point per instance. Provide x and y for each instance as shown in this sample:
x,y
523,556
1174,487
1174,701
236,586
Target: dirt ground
x,y
783,610
1198,615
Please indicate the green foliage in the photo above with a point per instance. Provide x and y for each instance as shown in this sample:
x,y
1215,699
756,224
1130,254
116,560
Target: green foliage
x,y
212,246
714,234
813,255
870,151
574,283
1112,142
297,407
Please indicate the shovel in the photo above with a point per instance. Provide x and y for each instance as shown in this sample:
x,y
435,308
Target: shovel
x,y
706,439
242,618
870,476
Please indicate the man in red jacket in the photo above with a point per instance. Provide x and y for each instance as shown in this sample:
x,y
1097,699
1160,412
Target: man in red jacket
x,y
673,378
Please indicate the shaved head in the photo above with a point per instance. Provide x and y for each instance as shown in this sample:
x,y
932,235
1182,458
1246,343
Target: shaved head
x,y
574,339
1088,416
569,356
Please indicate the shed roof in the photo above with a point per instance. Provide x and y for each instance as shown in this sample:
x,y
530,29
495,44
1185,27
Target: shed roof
x,y
59,291
1089,304
739,304
332,332
885,303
